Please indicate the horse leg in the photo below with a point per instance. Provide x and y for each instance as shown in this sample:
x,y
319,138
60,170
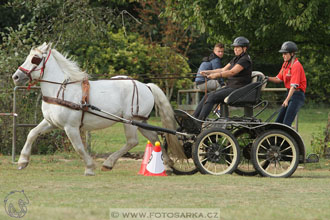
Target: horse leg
x,y
131,141
43,127
152,136
73,134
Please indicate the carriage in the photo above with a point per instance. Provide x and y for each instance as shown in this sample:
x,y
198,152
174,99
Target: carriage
x,y
245,145
222,145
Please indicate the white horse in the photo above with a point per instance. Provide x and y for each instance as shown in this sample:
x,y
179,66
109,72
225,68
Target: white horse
x,y
61,78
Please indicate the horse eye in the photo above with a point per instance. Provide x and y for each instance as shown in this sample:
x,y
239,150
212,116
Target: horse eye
x,y
36,60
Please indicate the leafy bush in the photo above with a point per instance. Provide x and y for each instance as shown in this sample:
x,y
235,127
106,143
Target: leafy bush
x,y
129,55
318,144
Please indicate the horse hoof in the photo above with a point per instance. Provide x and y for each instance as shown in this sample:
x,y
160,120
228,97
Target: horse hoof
x,y
106,168
89,174
21,166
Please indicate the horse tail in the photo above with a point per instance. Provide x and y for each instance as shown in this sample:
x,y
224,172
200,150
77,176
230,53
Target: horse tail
x,y
167,117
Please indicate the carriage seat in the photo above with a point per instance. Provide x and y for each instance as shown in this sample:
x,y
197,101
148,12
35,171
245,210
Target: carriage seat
x,y
247,96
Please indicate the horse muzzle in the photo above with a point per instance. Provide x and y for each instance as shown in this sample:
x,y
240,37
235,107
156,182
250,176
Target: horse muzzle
x,y
20,78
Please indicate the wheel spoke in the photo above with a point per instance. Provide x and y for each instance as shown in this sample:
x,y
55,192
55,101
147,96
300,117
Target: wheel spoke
x,y
285,149
280,165
209,139
223,141
205,159
263,147
275,140
228,162
226,147
270,158
208,165
206,146
263,162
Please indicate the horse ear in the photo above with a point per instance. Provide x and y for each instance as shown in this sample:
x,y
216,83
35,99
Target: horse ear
x,y
49,46
42,46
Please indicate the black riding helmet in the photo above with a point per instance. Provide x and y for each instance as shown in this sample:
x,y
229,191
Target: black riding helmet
x,y
288,47
241,42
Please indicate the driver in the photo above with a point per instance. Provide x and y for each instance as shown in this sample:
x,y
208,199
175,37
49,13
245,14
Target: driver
x,y
238,71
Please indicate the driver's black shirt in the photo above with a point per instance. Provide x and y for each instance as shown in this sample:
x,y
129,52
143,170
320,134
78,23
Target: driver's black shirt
x,y
244,77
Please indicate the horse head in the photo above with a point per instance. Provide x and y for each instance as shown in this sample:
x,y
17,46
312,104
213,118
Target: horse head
x,y
33,66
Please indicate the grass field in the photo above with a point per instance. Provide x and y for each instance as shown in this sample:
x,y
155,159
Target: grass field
x,y
57,189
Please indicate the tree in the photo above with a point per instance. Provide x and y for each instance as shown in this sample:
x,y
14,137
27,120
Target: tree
x,y
257,20
173,39
267,24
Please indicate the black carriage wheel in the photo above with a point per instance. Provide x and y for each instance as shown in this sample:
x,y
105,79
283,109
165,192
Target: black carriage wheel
x,y
245,138
184,166
278,149
216,152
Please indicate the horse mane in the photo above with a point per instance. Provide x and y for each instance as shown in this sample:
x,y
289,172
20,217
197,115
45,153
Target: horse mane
x,y
69,67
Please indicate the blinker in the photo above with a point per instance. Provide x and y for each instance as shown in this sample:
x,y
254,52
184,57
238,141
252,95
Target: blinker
x,y
36,60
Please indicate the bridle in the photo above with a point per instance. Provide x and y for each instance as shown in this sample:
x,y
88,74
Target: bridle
x,y
36,60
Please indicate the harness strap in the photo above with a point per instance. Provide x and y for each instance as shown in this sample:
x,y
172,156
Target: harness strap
x,y
135,90
62,102
83,106
84,99
79,107
62,87
137,99
72,105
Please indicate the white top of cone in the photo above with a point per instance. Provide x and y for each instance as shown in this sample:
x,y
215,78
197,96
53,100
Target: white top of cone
x,y
156,164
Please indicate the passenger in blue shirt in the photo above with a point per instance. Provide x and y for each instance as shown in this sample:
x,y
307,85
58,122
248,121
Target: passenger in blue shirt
x,y
210,63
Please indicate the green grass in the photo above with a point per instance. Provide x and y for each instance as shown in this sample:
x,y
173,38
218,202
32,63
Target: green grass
x,y
113,138
311,121
57,190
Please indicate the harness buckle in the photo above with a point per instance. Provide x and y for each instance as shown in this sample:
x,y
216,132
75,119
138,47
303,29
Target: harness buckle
x,y
83,103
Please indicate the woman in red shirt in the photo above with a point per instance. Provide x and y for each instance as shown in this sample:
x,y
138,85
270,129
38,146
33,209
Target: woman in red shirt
x,y
293,75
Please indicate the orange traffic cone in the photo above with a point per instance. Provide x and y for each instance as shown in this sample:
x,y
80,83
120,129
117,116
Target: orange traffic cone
x,y
155,165
146,156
